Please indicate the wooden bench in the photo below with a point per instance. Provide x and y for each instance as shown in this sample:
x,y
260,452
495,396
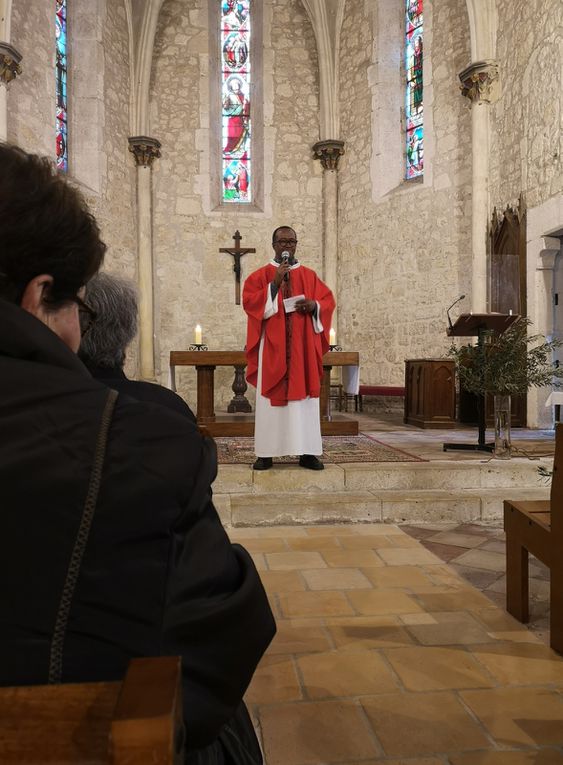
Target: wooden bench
x,y
377,390
536,527
132,722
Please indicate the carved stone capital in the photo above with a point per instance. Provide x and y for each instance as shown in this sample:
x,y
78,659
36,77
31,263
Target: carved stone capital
x,y
550,249
480,81
9,63
329,152
144,149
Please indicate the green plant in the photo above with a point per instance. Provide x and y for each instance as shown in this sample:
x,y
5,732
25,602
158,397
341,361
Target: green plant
x,y
507,364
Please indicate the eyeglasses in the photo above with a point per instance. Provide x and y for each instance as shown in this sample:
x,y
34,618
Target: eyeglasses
x,y
286,242
86,315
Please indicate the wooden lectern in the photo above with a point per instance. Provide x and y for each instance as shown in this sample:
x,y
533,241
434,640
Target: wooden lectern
x,y
475,325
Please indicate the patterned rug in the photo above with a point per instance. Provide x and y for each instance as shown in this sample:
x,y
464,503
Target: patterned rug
x,y
337,449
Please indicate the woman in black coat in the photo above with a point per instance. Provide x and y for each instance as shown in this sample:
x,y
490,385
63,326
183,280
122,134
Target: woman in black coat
x,y
142,569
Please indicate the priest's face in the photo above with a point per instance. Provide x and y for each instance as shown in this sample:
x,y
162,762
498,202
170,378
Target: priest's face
x,y
285,240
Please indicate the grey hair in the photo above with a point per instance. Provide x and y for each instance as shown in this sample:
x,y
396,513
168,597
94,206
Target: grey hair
x,y
115,301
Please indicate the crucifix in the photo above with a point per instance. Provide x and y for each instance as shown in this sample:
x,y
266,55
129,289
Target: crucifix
x,y
237,252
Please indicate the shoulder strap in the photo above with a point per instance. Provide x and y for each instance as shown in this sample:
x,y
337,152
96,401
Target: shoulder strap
x,y
57,641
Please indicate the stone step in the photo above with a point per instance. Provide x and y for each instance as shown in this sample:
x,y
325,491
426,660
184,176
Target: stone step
x,y
383,505
354,477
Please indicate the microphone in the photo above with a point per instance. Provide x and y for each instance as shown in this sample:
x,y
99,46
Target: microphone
x,y
450,308
285,259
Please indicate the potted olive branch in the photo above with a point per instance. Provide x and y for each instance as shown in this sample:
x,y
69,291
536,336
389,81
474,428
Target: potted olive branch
x,y
505,365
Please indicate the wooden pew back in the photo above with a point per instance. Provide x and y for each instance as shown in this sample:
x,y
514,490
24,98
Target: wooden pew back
x,y
556,497
132,722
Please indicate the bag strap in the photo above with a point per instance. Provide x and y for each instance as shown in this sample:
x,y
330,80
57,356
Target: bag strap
x,y
61,623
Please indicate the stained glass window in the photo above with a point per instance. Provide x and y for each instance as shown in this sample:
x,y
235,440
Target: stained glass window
x,y
61,115
414,93
236,106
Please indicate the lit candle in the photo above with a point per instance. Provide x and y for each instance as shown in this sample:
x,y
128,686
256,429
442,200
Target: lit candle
x,y
510,312
197,335
332,335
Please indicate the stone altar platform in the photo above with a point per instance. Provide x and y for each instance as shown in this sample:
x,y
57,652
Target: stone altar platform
x,y
448,486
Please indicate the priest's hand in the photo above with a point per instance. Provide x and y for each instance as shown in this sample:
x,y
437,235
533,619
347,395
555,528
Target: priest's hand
x,y
305,306
283,269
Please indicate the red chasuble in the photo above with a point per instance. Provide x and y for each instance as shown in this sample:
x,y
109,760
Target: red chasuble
x,y
292,367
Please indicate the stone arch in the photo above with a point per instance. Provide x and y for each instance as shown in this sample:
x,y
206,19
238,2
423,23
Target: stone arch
x,y
326,18
5,20
143,20
482,28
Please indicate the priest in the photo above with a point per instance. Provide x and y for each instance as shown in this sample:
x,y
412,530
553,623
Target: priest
x,y
289,313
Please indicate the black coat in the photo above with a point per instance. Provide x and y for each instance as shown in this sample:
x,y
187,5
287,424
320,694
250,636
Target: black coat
x,y
159,575
141,390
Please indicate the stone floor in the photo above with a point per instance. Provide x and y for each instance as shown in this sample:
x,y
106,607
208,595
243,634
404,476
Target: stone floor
x,y
385,654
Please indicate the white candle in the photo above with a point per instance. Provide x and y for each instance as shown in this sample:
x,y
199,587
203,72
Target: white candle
x,y
332,336
510,312
197,334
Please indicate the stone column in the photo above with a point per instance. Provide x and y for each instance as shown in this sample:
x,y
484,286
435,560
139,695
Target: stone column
x,y
145,151
329,153
479,83
542,255
9,67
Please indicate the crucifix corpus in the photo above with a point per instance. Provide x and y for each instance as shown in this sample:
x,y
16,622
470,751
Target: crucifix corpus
x,y
237,252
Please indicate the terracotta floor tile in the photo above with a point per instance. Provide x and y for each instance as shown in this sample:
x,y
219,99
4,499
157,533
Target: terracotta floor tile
x,y
366,542
329,603
362,632
275,679
491,561
533,757
313,733
354,558
421,618
282,581
408,556
457,539
264,544
467,599
446,553
521,663
299,636
412,725
345,674
259,561
314,543
373,602
477,577
437,669
404,541
336,579
450,628
403,761
519,718
396,576
494,545
246,532
290,561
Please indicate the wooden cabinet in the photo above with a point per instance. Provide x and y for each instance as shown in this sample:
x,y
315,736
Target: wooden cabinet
x,y
430,393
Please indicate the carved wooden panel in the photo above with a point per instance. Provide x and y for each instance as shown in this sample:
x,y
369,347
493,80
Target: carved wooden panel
x,y
430,393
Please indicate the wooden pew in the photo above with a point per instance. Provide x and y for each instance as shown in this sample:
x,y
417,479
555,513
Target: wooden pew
x,y
133,722
537,527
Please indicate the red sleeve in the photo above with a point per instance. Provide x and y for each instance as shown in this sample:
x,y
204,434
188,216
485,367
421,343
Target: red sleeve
x,y
254,296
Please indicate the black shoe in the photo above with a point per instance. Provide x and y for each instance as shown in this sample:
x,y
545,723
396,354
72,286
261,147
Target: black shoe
x,y
311,462
263,463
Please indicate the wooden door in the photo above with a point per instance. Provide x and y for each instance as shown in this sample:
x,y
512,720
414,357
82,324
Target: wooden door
x,y
507,281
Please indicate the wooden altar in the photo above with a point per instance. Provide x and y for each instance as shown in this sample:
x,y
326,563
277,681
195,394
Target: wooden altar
x,y
242,424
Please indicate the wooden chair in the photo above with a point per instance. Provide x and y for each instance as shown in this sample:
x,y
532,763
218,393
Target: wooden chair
x,y
537,527
133,722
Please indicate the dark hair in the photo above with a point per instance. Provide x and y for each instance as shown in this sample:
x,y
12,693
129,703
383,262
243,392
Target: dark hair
x,y
114,299
279,229
45,228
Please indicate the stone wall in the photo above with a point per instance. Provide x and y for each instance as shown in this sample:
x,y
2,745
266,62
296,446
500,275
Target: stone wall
x,y
31,96
527,120
98,109
405,256
194,283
